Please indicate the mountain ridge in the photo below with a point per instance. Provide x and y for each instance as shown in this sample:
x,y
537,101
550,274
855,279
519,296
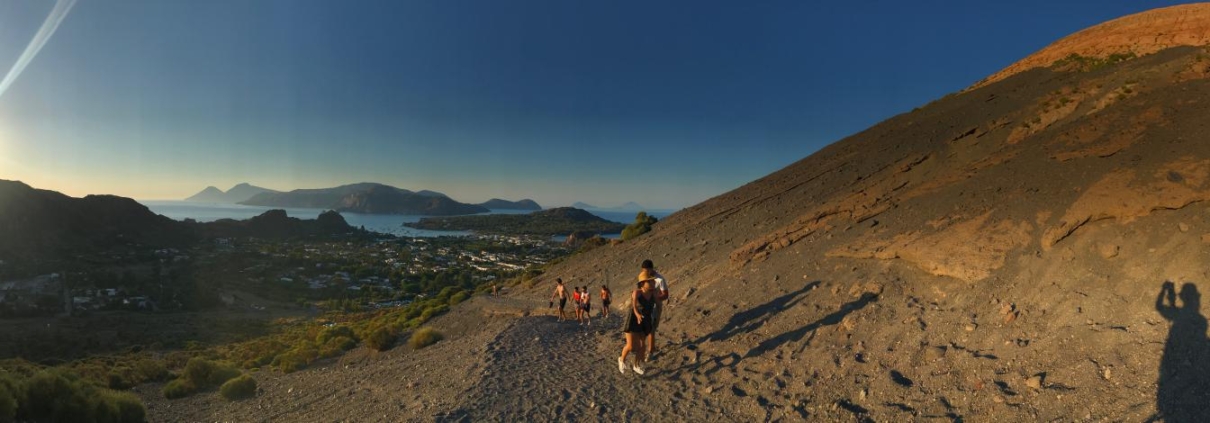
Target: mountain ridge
x,y
239,193
499,204
628,206
367,197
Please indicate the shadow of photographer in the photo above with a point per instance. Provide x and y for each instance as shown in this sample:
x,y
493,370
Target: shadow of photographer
x,y
1183,393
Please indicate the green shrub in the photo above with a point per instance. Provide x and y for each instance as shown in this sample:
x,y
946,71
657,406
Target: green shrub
x,y
198,371
459,297
62,395
296,359
239,388
118,379
179,388
148,370
204,373
113,406
221,374
289,363
9,392
56,396
130,408
337,346
446,293
431,312
425,337
334,332
642,224
380,338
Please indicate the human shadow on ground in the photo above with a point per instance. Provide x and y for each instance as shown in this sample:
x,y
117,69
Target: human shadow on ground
x,y
745,322
798,334
1183,393
715,364
748,320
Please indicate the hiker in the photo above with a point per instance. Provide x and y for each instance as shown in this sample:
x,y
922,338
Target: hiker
x,y
661,295
638,324
575,302
495,291
561,294
606,297
585,304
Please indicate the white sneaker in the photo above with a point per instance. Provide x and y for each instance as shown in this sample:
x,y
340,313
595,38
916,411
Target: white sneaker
x,y
637,369
621,365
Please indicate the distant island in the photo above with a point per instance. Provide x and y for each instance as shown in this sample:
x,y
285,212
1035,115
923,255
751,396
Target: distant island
x,y
558,221
629,206
498,204
367,197
237,194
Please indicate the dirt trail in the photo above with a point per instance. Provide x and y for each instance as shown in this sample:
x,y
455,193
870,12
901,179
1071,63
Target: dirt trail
x,y
540,369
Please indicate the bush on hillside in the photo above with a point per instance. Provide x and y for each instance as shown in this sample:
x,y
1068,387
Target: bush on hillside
x,y
334,332
642,224
459,297
148,370
199,374
56,395
239,388
198,370
337,346
425,337
9,391
432,312
123,407
221,374
119,379
297,358
178,388
380,338
447,292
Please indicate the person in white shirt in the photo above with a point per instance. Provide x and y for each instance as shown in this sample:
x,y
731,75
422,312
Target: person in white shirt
x,y
661,291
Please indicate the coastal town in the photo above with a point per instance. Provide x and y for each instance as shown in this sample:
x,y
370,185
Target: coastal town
x,y
362,270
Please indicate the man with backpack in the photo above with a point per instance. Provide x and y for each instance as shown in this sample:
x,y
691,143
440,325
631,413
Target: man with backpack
x,y
661,289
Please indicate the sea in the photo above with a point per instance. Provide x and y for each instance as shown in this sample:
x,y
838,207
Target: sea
x,y
382,223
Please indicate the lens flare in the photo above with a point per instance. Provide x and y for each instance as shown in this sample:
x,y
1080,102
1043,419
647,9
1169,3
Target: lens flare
x,y
40,38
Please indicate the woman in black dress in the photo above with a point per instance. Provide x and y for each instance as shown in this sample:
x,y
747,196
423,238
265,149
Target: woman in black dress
x,y
638,324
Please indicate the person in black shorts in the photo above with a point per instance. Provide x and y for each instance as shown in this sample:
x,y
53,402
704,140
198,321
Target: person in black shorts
x,y
638,324
561,293
606,298
586,305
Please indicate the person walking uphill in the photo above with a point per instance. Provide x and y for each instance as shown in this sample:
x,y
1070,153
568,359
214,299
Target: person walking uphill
x,y
661,295
561,294
586,305
606,298
638,325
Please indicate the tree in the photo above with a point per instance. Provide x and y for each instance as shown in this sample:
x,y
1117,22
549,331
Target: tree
x,y
642,224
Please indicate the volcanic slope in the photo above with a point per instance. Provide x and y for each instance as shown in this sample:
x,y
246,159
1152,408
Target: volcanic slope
x,y
1000,254
996,254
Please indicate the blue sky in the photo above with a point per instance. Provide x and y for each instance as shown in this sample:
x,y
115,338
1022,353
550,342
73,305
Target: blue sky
x,y
662,103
